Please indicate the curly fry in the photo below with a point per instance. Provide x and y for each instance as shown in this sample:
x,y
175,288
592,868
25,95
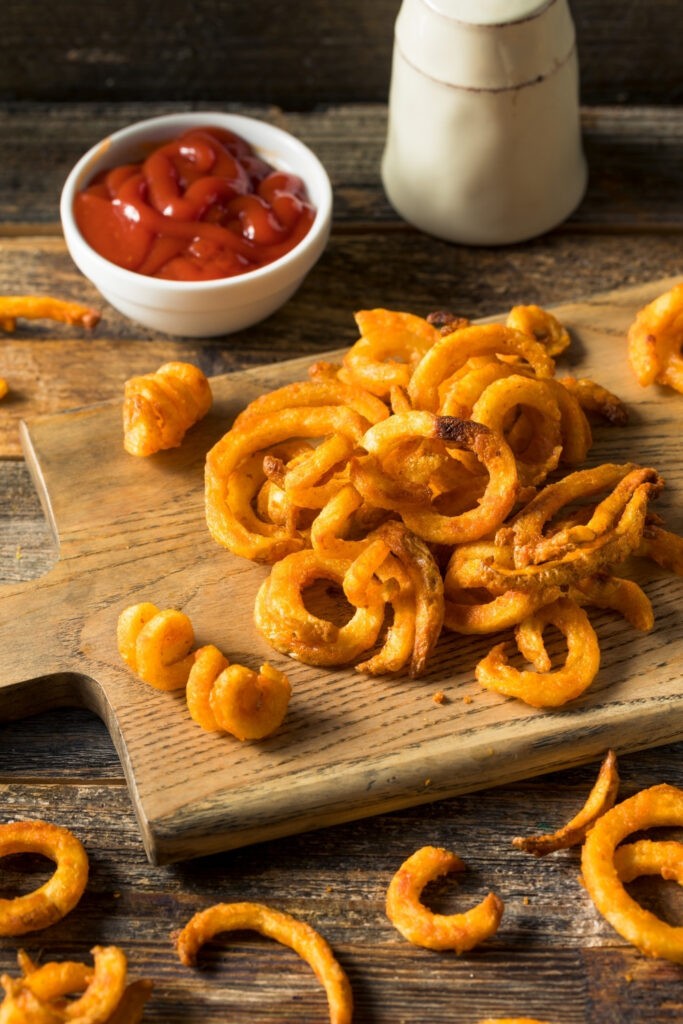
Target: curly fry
x,y
282,618
594,398
646,857
60,894
234,699
530,546
160,407
659,806
663,547
304,940
156,644
600,799
227,523
451,352
39,307
541,325
654,341
20,1006
624,596
4,387
544,688
105,999
489,447
420,925
390,346
403,559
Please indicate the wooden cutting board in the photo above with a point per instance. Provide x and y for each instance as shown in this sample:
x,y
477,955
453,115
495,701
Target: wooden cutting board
x,y
133,530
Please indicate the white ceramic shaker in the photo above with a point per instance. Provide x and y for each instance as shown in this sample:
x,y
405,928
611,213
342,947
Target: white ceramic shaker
x,y
483,142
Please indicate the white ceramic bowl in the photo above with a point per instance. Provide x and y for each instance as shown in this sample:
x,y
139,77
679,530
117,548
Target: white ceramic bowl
x,y
200,309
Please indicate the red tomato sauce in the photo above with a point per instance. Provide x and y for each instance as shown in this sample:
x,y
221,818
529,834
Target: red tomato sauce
x,y
200,207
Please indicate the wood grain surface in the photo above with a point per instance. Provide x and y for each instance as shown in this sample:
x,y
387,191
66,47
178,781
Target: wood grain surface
x,y
318,52
554,956
350,746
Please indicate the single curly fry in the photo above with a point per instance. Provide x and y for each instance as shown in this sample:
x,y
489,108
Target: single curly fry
x,y
389,348
411,582
618,593
227,522
541,325
102,987
54,980
281,615
20,1006
318,392
623,483
42,307
451,352
600,799
489,447
4,387
156,644
460,393
657,807
304,940
250,705
663,547
545,688
654,341
594,398
476,610
538,456
420,925
159,408
60,894
105,991
647,857
208,664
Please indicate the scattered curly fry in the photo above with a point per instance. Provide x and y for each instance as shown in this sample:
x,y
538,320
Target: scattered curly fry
x,y
654,341
103,997
249,705
420,925
60,894
304,940
658,806
159,408
40,307
156,644
600,799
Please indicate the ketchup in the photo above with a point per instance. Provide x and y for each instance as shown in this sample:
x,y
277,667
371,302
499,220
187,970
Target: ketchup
x,y
200,207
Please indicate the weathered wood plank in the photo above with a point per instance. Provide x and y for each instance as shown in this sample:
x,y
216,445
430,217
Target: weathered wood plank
x,y
51,367
132,532
626,187
553,955
317,52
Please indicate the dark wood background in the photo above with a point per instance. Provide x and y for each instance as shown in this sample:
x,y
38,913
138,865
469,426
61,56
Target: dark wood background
x,y
318,52
71,71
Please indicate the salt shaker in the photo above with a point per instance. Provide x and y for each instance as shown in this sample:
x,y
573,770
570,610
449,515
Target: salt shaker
x,y
483,142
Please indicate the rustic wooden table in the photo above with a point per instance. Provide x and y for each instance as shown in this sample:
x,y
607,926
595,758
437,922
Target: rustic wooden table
x,y
554,957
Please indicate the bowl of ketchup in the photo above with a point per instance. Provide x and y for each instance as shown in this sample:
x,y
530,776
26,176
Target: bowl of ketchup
x,y
197,224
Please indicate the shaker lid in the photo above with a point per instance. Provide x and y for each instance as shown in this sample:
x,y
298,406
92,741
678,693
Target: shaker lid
x,y
488,12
